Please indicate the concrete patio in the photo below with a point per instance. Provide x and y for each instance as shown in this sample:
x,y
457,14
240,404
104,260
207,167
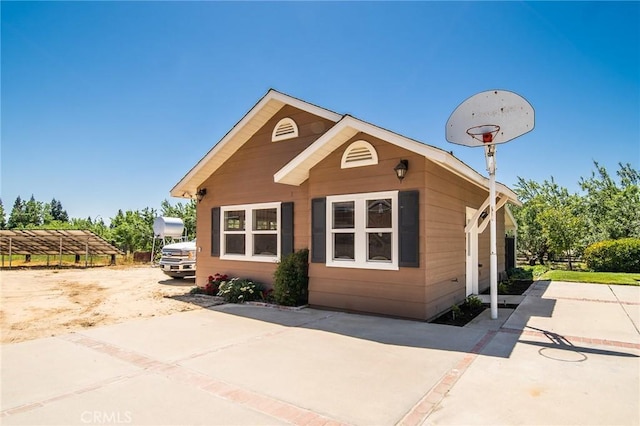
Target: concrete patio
x,y
568,354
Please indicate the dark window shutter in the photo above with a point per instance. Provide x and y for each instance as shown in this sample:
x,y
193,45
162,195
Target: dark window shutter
x,y
318,230
409,229
286,226
215,231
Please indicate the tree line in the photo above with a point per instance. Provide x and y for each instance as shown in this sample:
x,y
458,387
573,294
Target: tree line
x,y
552,222
131,230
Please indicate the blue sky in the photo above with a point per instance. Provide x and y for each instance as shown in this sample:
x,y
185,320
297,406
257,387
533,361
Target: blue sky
x,y
107,105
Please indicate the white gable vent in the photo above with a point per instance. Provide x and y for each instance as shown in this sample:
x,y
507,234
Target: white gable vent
x,y
358,154
285,129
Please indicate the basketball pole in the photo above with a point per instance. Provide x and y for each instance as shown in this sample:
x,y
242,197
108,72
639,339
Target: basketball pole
x,y
490,156
511,116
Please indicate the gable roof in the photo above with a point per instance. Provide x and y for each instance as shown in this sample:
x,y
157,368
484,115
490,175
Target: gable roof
x,y
253,120
297,170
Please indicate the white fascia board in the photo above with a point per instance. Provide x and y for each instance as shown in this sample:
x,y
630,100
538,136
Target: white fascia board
x,y
512,196
511,218
441,157
503,199
297,170
430,152
471,175
229,144
186,184
305,106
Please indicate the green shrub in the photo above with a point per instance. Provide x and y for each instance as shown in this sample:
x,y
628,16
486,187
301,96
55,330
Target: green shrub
x,y
473,302
238,290
621,255
456,311
291,279
520,274
539,270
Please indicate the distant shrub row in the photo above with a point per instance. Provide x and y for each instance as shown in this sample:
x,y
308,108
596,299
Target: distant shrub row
x,y
621,255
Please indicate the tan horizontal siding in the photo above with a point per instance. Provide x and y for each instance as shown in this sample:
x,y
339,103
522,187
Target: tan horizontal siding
x,y
419,293
440,245
397,293
247,178
437,305
447,198
448,272
327,178
396,290
408,275
362,303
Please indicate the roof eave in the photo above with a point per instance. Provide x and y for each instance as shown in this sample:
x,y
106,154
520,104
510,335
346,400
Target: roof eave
x,y
297,170
252,121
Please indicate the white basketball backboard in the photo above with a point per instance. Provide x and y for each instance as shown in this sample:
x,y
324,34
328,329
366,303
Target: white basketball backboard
x,y
498,115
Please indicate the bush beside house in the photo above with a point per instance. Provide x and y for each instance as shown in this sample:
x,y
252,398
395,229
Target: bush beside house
x,y
621,255
291,279
290,288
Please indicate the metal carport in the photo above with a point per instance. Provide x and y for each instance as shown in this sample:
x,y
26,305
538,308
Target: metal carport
x,y
54,242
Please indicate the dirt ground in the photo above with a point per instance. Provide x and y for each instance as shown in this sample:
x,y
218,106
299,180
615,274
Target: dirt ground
x,y
38,303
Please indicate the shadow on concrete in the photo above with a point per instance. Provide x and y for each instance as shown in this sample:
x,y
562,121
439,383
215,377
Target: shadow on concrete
x,y
559,342
179,282
412,333
577,349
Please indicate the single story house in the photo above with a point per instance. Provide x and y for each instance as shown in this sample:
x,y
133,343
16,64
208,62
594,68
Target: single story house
x,y
292,175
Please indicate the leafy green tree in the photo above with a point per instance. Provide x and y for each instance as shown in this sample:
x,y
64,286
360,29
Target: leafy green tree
x,y
186,212
612,208
99,228
532,241
3,220
57,212
133,230
17,218
564,225
47,219
553,221
550,221
33,212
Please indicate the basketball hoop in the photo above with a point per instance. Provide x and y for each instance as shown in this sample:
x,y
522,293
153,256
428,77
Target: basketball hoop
x,y
485,133
510,116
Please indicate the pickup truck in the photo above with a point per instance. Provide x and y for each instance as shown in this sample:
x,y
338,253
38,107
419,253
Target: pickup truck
x,y
179,259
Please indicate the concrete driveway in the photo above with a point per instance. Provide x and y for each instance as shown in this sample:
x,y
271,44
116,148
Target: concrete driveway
x,y
569,354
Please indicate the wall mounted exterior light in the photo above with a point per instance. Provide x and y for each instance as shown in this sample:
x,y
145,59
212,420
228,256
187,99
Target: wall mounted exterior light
x,y
401,169
201,193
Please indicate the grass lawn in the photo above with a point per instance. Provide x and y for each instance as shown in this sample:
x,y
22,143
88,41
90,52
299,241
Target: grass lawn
x,y
68,260
592,277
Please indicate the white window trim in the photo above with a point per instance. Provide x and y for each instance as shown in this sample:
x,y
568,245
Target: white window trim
x,y
275,137
360,144
360,230
249,233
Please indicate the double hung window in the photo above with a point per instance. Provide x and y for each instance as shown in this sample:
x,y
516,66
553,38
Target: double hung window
x,y
363,230
250,232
